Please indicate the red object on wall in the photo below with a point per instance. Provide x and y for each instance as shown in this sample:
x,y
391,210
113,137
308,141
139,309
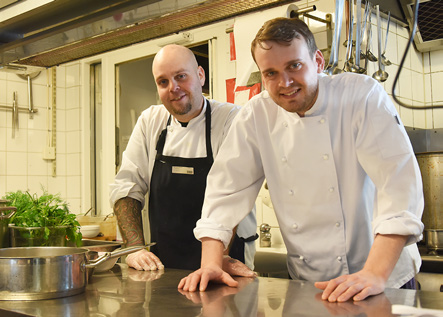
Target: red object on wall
x,y
232,46
231,89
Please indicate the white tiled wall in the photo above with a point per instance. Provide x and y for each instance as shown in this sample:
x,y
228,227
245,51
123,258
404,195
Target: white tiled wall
x,y
23,167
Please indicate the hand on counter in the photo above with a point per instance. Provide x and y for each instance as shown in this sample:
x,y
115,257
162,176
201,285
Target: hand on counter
x,y
144,260
203,276
231,267
357,286
236,268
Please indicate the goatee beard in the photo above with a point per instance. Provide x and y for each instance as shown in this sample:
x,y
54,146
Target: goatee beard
x,y
183,110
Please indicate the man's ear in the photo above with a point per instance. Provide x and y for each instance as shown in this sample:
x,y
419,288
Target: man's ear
x,y
201,75
320,60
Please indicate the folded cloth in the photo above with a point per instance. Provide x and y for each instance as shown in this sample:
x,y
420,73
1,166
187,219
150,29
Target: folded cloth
x,y
411,311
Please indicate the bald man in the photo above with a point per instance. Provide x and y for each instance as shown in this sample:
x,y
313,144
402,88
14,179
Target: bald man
x,y
169,155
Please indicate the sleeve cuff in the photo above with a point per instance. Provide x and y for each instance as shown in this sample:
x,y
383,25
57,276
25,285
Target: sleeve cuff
x,y
207,228
404,224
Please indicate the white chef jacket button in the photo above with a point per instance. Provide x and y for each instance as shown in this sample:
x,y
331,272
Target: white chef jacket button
x,y
325,156
285,124
294,226
331,189
283,159
322,121
337,224
339,258
291,192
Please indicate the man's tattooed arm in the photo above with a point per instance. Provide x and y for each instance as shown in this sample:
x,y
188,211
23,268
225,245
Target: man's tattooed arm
x,y
129,216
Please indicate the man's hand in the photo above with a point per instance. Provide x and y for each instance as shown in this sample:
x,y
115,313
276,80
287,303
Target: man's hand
x,y
357,286
236,268
371,280
144,260
203,276
374,306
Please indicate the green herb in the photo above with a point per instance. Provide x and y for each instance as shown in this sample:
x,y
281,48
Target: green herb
x,y
47,211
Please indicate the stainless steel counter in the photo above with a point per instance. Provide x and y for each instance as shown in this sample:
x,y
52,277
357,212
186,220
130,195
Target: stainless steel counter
x,y
127,292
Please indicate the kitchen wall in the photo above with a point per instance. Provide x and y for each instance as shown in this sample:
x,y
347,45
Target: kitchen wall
x,y
22,166
21,161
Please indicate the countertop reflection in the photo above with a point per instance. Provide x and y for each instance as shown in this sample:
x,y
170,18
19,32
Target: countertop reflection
x,y
127,292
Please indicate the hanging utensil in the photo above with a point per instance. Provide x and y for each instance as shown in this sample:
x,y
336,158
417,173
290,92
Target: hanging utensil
x,y
337,70
348,27
370,56
349,63
358,39
365,36
384,60
380,74
333,61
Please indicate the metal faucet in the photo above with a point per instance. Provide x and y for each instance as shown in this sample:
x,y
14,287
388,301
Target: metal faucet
x,y
265,235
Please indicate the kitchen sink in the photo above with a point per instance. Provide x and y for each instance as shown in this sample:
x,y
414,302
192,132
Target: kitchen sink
x,y
271,262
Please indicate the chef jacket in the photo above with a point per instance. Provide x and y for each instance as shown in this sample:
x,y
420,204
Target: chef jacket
x,y
134,176
337,177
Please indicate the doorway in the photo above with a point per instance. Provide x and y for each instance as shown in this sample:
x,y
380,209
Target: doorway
x,y
136,91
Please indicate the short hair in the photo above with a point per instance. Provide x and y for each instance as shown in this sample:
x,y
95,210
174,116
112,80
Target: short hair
x,y
283,31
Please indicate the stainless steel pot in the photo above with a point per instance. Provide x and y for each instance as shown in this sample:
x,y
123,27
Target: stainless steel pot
x,y
42,272
431,167
48,272
434,239
5,214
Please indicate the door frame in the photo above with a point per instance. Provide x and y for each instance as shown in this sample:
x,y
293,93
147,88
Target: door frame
x,y
221,68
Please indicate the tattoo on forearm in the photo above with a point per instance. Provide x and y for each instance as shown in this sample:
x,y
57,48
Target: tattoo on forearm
x,y
129,216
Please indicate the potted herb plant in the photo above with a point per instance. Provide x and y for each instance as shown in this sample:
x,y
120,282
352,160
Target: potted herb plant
x,y
41,221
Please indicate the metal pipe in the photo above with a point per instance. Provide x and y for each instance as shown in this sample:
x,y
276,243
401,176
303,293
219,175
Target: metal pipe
x,y
3,107
296,14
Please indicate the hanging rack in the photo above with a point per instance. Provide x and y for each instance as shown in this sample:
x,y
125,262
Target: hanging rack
x,y
23,73
14,108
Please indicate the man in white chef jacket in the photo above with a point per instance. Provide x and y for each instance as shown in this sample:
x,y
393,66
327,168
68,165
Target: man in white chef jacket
x,y
169,154
341,172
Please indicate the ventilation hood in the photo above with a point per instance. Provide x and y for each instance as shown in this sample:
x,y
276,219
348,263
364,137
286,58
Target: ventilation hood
x,y
429,32
45,33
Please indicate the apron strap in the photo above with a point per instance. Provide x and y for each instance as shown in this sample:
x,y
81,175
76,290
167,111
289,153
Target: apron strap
x,y
208,131
161,140
162,137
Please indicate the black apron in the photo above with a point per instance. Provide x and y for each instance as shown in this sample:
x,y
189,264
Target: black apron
x,y
175,202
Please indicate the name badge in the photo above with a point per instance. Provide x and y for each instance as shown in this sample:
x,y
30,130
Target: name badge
x,y
182,170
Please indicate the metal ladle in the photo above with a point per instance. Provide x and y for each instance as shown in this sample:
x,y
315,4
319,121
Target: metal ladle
x,y
369,55
384,60
380,74
333,61
358,40
364,41
349,62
